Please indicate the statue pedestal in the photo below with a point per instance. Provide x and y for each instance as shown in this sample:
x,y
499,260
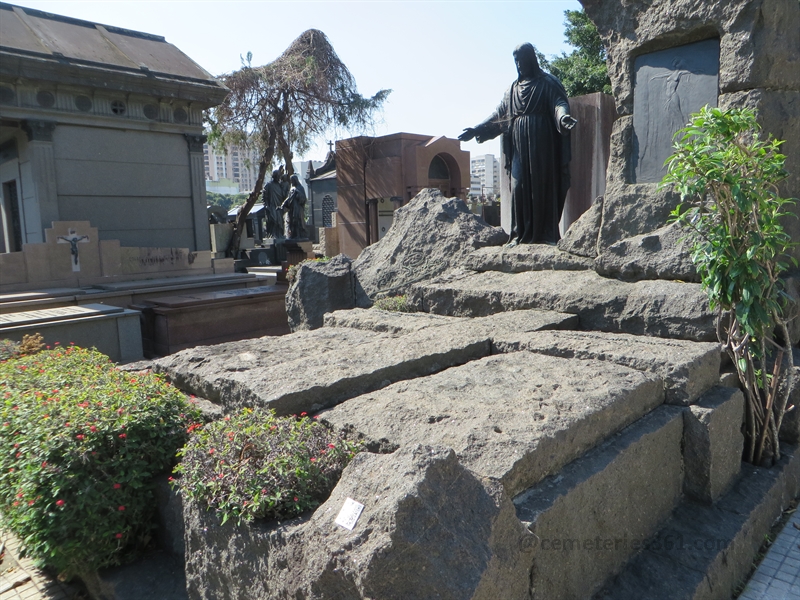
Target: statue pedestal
x,y
298,250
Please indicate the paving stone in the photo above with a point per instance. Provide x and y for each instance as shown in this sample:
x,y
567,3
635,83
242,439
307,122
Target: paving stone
x,y
309,370
656,308
688,369
513,417
525,257
601,509
713,443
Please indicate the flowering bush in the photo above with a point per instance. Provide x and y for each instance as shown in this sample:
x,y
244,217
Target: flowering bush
x,y
80,442
257,465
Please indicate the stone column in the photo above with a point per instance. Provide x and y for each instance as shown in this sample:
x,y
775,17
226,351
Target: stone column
x,y
40,204
202,236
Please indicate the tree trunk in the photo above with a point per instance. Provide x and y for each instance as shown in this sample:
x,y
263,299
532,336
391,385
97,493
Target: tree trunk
x,y
241,218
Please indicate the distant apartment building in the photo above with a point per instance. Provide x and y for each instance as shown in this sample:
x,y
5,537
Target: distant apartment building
x,y
237,164
486,168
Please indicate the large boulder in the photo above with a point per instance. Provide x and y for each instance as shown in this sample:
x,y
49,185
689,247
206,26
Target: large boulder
x,y
319,287
430,528
581,237
662,254
429,235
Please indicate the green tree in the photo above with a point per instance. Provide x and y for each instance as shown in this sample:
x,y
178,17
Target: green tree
x,y
729,179
582,71
283,106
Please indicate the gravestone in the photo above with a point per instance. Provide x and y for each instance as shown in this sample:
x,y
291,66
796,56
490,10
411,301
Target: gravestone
x,y
669,49
669,86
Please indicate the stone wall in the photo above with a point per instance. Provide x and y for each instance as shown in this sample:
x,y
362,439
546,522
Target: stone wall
x,y
759,67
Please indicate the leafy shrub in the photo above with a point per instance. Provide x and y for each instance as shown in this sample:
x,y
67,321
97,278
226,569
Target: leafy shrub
x,y
729,177
30,344
256,465
394,304
80,443
8,349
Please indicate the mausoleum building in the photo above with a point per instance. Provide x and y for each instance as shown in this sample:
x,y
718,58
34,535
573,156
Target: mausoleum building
x,y
100,124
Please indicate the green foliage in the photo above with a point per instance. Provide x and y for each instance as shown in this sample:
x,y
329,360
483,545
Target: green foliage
x,y
80,442
256,465
226,201
730,177
394,304
9,349
582,71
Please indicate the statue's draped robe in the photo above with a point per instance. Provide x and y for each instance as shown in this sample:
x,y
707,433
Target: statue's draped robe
x,y
273,198
537,154
295,216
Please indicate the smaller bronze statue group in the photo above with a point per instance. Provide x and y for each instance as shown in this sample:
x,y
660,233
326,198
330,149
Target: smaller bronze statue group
x,y
285,207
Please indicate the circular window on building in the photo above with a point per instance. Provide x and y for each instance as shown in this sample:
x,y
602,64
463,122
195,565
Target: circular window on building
x,y
45,99
118,107
180,115
151,111
83,103
7,95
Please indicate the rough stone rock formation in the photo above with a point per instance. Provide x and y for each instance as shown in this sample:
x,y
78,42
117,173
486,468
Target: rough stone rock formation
x,y
429,235
661,254
430,528
759,66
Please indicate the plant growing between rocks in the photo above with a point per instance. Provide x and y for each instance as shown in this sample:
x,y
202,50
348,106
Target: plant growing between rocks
x,y
256,465
80,442
394,304
729,176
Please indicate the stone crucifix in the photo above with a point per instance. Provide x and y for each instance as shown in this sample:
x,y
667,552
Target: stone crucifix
x,y
73,239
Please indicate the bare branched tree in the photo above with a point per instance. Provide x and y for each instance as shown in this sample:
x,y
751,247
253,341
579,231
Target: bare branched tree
x,y
282,107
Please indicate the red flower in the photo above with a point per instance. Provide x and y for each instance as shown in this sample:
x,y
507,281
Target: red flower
x,y
59,503
79,436
211,451
122,436
16,503
117,486
57,344
93,429
331,445
303,414
295,498
313,459
121,508
118,536
44,464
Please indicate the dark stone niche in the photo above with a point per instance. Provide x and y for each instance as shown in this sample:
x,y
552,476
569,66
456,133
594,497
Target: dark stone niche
x,y
669,85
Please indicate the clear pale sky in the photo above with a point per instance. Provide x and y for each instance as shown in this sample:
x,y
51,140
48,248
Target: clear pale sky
x,y
448,63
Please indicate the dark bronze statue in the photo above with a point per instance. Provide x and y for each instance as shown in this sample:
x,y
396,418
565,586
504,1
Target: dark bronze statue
x,y
294,211
273,197
535,122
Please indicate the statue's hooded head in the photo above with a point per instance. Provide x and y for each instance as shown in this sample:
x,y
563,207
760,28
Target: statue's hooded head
x,y
525,58
276,175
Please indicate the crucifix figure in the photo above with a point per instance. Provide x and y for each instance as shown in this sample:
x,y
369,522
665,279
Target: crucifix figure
x,y
73,239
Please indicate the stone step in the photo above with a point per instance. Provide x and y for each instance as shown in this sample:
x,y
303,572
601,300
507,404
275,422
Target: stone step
x,y
514,417
655,308
688,369
310,370
598,511
526,257
704,552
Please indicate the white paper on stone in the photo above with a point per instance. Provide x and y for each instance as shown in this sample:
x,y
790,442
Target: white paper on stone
x,y
348,516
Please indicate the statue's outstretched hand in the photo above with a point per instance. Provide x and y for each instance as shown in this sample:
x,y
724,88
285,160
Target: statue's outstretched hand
x,y
568,122
468,134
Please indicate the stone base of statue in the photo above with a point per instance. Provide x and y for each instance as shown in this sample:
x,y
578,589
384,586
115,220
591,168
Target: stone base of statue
x,y
298,250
